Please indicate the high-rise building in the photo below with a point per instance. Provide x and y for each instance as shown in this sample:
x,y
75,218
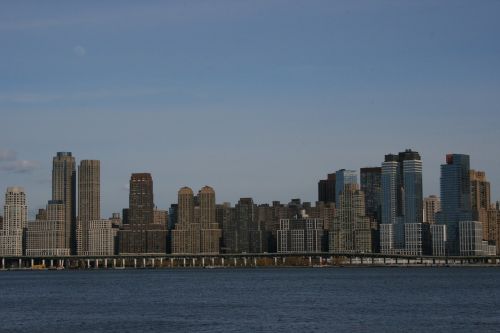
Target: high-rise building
x,y
15,222
351,232
197,230
243,218
389,181
471,238
371,185
224,216
455,198
141,235
326,189
480,199
417,239
42,214
64,189
438,237
300,235
100,238
160,217
344,177
116,220
173,213
432,205
402,198
89,201
48,237
210,231
246,234
186,235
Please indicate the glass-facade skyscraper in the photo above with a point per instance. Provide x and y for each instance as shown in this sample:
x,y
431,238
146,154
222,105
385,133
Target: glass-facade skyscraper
x,y
402,196
342,178
455,198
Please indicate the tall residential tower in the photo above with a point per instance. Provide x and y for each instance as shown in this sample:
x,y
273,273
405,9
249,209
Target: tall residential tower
x,y
64,190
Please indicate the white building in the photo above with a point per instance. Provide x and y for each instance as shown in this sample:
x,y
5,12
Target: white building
x,y
470,238
489,249
48,237
387,238
100,238
414,239
45,238
300,235
15,221
438,236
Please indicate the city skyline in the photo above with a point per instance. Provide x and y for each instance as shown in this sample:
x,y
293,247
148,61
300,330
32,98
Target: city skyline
x,y
256,99
33,210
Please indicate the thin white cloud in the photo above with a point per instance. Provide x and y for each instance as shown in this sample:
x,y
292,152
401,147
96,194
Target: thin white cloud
x,y
7,155
20,166
34,97
79,50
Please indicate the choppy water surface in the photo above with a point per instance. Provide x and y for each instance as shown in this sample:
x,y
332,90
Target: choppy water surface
x,y
252,300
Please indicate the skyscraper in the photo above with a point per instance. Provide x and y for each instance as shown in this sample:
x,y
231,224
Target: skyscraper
x,y
46,237
247,235
326,189
64,189
15,222
412,187
455,198
210,230
402,198
480,199
389,180
300,234
89,200
344,177
371,185
432,205
351,230
197,230
186,235
141,235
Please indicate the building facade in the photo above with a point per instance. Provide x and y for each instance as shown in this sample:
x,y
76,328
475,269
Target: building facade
x,y
326,189
89,202
351,232
438,238
344,177
300,235
48,237
471,238
141,235
14,223
210,231
455,198
432,205
480,199
371,185
64,190
197,230
402,198
100,238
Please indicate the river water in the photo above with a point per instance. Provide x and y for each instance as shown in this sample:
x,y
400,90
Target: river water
x,y
252,300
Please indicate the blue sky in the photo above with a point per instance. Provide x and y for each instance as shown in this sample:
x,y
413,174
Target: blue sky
x,y
256,98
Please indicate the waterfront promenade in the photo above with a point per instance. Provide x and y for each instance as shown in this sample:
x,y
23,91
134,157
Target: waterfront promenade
x,y
143,261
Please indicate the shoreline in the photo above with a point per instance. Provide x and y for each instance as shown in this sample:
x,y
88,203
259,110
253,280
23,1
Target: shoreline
x,y
28,269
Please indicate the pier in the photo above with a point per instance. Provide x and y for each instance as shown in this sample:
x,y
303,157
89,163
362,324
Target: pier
x,y
156,261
